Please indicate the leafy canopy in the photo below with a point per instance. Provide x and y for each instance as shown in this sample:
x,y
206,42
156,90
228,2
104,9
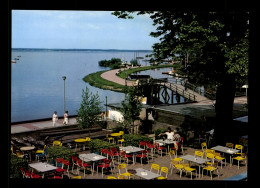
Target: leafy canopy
x,y
212,44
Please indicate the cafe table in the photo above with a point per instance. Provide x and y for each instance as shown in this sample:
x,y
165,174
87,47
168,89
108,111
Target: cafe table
x,y
226,150
131,149
195,159
82,141
42,167
93,157
28,149
146,174
165,142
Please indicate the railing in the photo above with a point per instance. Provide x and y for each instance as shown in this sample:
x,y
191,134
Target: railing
x,y
193,87
174,87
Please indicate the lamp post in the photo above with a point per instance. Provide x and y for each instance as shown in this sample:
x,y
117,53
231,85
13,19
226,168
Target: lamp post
x,y
64,78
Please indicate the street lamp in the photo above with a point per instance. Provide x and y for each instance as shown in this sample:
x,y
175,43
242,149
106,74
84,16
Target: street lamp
x,y
64,78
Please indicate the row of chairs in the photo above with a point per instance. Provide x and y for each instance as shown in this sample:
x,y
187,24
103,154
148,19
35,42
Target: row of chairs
x,y
239,156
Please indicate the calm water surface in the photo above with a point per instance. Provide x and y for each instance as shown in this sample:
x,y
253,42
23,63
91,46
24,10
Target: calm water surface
x,y
37,87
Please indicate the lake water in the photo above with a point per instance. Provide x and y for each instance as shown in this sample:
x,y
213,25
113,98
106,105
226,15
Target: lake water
x,y
37,87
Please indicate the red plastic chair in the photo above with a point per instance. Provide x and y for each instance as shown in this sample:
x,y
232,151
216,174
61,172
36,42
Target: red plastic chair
x,y
125,156
142,144
35,176
59,171
160,148
74,161
115,154
105,165
59,160
25,173
142,156
81,164
66,163
104,151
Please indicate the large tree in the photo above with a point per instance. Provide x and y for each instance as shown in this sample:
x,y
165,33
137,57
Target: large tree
x,y
214,46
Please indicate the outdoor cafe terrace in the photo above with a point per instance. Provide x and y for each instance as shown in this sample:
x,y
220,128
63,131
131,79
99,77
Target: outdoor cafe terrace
x,y
146,160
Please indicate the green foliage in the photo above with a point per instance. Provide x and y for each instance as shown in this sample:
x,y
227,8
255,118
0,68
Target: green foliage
x,y
114,63
95,79
134,140
15,164
158,131
213,45
90,109
55,152
96,145
134,62
131,107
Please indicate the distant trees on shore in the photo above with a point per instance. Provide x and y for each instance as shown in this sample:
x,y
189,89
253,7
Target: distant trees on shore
x,y
116,63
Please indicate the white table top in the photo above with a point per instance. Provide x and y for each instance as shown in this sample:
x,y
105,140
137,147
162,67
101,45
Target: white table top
x,y
225,149
195,159
27,148
146,174
131,149
167,141
91,157
42,167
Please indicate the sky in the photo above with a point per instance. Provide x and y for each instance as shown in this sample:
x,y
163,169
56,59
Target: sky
x,y
80,30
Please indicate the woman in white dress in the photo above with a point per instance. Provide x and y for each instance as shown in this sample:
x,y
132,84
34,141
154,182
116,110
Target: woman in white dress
x,y
54,118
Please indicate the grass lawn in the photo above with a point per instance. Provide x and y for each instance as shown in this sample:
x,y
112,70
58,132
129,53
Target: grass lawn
x,y
95,79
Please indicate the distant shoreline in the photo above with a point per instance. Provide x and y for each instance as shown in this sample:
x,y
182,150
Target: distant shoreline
x,y
58,49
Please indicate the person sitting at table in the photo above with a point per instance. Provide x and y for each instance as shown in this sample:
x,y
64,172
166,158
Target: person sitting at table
x,y
169,133
176,138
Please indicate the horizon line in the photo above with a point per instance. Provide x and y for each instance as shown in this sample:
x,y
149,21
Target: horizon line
x,y
82,49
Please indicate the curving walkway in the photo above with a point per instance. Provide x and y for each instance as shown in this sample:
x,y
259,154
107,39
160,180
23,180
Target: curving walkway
x,y
111,76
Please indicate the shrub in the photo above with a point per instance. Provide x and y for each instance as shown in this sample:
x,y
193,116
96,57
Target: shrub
x,y
95,145
15,164
55,152
158,131
134,140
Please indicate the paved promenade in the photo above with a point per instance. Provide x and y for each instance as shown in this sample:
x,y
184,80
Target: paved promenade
x,y
33,126
111,76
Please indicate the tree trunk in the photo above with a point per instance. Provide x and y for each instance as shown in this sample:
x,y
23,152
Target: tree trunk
x,y
224,108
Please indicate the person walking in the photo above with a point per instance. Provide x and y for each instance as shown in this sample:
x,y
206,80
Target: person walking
x,y
54,118
66,118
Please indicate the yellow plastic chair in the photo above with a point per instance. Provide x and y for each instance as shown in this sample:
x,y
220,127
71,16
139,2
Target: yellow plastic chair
x,y
155,167
111,178
120,177
121,141
20,154
176,165
239,147
211,169
165,171
126,174
211,157
219,158
41,151
187,168
121,133
178,160
242,157
230,145
56,143
109,138
198,153
76,177
172,154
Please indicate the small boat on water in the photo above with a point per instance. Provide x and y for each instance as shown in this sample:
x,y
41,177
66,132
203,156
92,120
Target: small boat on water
x,y
16,58
13,61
